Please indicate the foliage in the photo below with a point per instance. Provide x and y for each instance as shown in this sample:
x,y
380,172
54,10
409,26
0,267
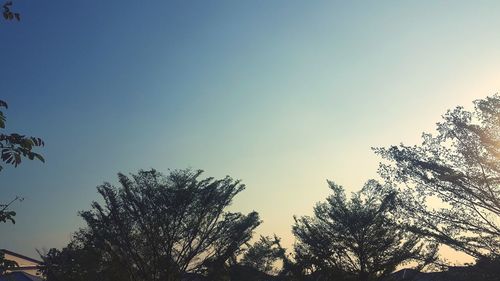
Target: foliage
x,y
357,237
460,166
6,214
15,146
246,273
8,14
81,260
12,148
264,254
155,227
294,269
228,247
485,269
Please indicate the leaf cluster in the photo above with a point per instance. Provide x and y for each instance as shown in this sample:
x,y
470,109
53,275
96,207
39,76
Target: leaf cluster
x,y
13,147
263,254
8,14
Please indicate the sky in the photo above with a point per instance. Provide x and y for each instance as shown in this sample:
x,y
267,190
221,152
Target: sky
x,y
280,94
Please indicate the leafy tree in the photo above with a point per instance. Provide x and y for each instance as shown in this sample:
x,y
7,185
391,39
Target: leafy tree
x,y
7,215
359,237
7,12
156,227
485,269
460,166
13,147
217,267
81,260
294,268
264,254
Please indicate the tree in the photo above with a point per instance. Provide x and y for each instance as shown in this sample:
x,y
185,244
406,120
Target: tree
x,y
7,215
460,166
264,254
228,247
14,147
7,12
156,227
81,260
359,237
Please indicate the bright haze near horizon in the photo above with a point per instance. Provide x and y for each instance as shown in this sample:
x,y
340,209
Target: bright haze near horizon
x,y
280,94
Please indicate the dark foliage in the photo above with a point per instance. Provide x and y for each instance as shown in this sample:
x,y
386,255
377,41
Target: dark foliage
x,y
81,260
461,167
6,214
7,12
485,269
13,147
264,254
357,238
155,227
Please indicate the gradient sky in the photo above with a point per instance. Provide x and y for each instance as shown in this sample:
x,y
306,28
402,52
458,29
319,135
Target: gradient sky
x,y
280,94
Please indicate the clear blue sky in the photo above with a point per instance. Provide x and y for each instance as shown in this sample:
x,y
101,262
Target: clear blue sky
x,y
280,94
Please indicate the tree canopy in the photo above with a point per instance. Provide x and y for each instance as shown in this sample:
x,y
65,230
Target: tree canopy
x,y
460,165
7,12
357,237
263,254
156,227
13,147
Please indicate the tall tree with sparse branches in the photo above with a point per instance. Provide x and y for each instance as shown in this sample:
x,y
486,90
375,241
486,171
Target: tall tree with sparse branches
x,y
460,167
358,238
156,227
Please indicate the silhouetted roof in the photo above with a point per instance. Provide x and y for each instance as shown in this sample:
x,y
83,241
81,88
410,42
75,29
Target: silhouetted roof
x,y
454,273
19,256
19,276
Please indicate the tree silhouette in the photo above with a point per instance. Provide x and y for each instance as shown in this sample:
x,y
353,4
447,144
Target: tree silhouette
x,y
358,237
7,12
83,259
229,246
13,147
263,254
7,215
156,227
460,165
